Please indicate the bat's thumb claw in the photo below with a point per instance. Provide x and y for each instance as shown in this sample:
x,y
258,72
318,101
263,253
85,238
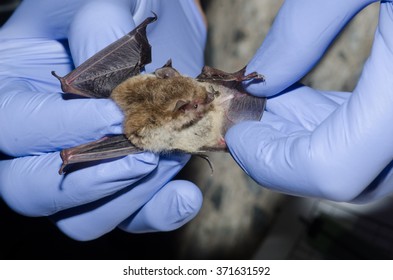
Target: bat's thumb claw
x,y
254,76
57,76
61,170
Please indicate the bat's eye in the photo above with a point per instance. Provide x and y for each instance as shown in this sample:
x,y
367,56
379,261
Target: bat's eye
x,y
196,106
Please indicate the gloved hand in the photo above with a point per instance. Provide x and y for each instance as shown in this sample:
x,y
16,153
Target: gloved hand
x,y
134,192
329,145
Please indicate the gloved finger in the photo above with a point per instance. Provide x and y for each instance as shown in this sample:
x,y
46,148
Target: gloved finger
x,y
171,207
381,187
338,97
33,123
280,124
27,63
41,19
317,164
96,219
180,45
185,46
277,159
32,186
303,105
300,34
96,25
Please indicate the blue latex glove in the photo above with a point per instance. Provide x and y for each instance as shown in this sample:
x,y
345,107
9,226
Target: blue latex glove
x,y
312,143
135,192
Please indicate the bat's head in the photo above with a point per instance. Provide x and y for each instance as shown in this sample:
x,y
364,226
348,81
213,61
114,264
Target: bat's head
x,y
189,100
193,102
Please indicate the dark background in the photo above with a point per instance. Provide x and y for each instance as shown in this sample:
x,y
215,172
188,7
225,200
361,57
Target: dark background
x,y
37,238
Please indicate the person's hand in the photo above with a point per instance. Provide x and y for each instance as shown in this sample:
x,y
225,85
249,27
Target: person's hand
x,y
134,192
321,144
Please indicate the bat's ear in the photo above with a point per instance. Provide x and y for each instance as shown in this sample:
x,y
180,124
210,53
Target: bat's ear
x,y
181,105
166,71
210,96
168,64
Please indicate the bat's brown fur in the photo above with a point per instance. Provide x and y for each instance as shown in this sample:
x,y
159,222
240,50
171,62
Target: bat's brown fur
x,y
163,114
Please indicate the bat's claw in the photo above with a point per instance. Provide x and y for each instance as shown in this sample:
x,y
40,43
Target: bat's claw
x,y
254,76
61,170
206,157
57,76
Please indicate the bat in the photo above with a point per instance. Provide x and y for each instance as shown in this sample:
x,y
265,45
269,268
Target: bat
x,y
164,110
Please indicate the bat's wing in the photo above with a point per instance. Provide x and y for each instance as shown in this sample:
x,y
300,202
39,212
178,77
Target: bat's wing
x,y
239,106
101,73
96,78
104,148
244,107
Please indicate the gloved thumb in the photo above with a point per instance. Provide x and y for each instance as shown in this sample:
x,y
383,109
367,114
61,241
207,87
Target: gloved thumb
x,y
268,152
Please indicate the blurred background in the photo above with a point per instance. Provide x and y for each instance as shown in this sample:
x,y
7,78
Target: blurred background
x,y
239,219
